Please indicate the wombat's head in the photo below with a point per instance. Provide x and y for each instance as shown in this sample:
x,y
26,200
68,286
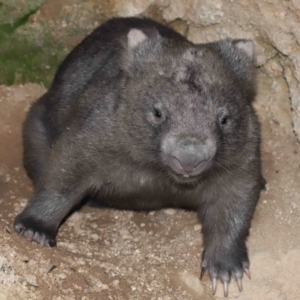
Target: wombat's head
x,y
185,108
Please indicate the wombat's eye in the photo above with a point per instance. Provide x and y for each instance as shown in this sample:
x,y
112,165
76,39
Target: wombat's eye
x,y
224,120
157,113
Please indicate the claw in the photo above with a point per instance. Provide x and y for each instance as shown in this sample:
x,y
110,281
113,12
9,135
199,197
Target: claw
x,y
22,230
239,283
43,240
225,287
214,285
203,269
247,272
29,235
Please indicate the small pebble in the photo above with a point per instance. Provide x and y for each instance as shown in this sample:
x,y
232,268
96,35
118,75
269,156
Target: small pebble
x,y
95,236
170,211
197,227
62,276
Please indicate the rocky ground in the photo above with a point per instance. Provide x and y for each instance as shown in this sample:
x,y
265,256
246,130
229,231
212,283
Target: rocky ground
x,y
110,254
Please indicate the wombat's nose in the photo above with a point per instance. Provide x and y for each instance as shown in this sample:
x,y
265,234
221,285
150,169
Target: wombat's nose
x,y
190,157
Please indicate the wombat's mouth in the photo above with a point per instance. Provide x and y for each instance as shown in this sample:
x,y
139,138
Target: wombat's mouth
x,y
185,179
190,177
189,158
189,174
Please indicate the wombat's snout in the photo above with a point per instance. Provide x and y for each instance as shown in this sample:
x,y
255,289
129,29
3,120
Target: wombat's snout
x,y
190,157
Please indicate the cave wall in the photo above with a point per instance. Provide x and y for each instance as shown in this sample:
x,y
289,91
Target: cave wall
x,y
273,25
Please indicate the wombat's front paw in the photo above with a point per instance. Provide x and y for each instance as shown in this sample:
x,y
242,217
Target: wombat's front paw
x,y
224,266
34,230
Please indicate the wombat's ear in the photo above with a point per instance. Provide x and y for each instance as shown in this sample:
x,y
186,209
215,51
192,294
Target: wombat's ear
x,y
238,53
135,37
245,46
239,57
140,47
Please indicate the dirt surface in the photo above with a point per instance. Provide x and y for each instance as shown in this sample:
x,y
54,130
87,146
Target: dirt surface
x,y
109,254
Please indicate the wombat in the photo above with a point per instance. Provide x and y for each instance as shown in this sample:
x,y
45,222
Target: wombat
x,y
140,118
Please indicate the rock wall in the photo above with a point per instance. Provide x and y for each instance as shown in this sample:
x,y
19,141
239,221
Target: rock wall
x,y
273,25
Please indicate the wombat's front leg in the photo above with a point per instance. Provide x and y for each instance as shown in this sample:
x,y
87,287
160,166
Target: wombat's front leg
x,y
225,217
40,220
57,193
